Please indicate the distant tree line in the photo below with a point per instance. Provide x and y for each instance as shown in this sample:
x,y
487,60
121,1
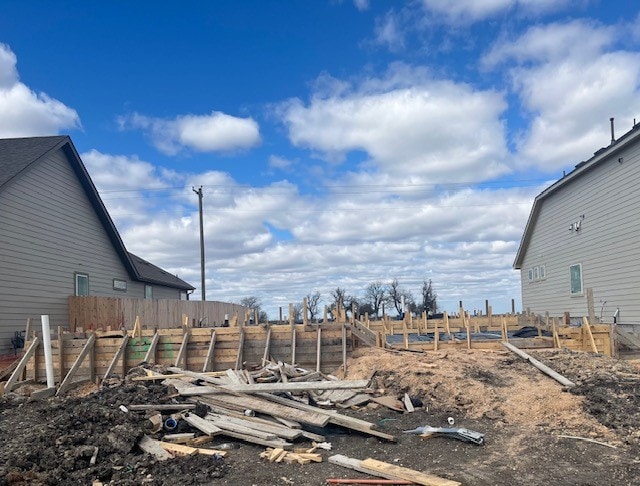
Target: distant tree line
x,y
377,295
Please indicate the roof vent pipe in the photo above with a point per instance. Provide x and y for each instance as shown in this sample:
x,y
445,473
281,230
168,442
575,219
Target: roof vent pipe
x,y
613,137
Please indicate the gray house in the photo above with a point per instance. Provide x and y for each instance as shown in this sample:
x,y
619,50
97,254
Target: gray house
x,y
584,232
57,239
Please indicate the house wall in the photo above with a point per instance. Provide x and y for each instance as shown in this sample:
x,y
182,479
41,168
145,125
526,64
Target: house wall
x,y
48,231
607,244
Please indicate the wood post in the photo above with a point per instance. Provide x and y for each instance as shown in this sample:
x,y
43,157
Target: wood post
x,y
305,309
13,379
66,383
344,349
240,348
468,323
182,354
436,338
150,357
119,352
267,346
293,345
318,348
587,330
445,317
208,362
60,353
590,306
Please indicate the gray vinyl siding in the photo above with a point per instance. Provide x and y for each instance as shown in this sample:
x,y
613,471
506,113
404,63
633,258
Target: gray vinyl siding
x,y
48,231
607,244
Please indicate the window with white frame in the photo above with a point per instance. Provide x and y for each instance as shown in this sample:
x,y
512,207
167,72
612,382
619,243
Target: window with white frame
x,y
82,284
530,274
536,273
575,275
543,272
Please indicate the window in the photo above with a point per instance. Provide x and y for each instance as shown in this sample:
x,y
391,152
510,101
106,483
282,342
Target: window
x,y
530,274
543,272
575,272
119,284
536,273
148,292
82,284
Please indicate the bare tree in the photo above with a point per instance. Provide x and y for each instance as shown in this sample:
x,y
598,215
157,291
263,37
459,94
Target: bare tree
x,y
375,295
397,294
255,305
313,302
429,297
297,312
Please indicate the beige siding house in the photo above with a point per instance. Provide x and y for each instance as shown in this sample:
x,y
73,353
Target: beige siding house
x,y
57,239
584,232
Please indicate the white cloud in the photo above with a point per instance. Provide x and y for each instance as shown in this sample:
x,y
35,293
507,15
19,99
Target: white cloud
x,y
24,113
469,11
409,124
571,81
217,132
281,163
389,31
361,4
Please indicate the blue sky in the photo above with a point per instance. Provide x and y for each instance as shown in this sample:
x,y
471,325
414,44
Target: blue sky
x,y
337,142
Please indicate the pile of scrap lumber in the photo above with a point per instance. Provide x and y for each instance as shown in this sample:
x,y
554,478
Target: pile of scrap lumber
x,y
273,406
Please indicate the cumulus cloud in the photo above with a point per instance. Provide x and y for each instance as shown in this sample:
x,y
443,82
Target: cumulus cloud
x,y
280,163
409,124
570,78
25,113
217,132
130,188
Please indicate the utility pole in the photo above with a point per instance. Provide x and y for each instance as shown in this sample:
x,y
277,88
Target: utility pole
x,y
199,193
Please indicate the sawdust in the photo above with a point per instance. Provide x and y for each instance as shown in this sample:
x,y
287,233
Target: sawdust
x,y
479,384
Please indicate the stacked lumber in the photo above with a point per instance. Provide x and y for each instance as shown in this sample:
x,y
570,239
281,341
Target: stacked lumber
x,y
274,406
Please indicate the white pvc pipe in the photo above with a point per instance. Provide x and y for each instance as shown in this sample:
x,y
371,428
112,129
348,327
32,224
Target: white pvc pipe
x,y
48,357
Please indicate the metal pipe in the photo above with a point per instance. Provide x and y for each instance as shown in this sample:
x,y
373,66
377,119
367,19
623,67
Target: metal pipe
x,y
48,357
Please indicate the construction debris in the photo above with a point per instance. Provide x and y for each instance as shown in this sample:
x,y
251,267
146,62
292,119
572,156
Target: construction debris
x,y
462,434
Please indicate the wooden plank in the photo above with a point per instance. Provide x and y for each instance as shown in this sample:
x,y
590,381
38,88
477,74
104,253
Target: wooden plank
x,y
66,383
13,379
590,340
203,425
115,358
150,357
344,349
318,348
297,386
542,367
356,465
293,345
189,451
239,357
60,354
161,406
406,473
208,362
259,404
267,344
152,446
182,354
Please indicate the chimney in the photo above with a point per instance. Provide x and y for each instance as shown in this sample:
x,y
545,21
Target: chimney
x,y
613,137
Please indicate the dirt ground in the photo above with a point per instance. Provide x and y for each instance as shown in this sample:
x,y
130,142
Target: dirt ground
x,y
522,413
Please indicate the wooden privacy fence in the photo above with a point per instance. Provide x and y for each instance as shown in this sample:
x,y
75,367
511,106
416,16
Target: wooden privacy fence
x,y
96,355
113,313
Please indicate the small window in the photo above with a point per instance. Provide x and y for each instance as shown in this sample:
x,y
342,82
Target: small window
x,y
575,272
543,272
119,284
530,274
82,284
536,273
148,292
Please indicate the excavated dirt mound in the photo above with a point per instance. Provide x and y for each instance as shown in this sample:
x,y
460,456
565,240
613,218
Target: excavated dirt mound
x,y
522,413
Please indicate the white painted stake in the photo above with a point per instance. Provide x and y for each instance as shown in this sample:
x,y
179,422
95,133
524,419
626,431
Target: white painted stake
x,y
48,357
